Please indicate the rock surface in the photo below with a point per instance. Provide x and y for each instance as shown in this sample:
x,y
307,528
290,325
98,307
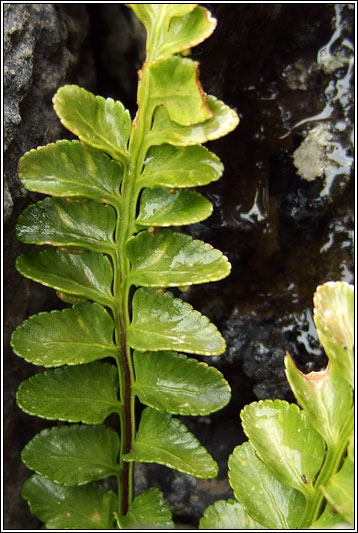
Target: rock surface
x,y
286,69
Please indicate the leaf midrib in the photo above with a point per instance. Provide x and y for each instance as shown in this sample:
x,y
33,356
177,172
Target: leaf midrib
x,y
72,235
106,347
85,399
84,459
171,454
94,188
174,390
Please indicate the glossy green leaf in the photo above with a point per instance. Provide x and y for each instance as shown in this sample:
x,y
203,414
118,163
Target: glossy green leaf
x,y
334,319
68,169
60,223
339,491
174,83
170,259
265,499
85,393
187,31
89,507
172,382
330,519
102,123
73,455
168,207
162,322
172,166
69,337
173,28
325,396
88,275
285,441
165,440
148,511
228,514
150,14
164,130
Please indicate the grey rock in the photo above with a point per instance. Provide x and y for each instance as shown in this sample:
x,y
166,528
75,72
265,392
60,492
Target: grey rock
x,y
8,203
44,47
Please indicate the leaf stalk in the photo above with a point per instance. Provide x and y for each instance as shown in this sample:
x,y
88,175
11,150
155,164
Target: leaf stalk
x,y
331,465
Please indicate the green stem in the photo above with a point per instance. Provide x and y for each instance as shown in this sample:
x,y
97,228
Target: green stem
x,y
331,465
124,230
118,340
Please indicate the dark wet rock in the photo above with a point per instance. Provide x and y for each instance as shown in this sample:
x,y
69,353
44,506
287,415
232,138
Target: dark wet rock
x,y
284,95
186,496
260,347
118,45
